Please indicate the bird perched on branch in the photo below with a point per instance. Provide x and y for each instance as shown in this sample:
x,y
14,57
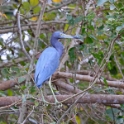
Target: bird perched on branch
x,y
49,59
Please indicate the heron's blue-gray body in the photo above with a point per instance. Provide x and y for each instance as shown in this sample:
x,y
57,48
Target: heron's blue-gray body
x,y
47,64
49,59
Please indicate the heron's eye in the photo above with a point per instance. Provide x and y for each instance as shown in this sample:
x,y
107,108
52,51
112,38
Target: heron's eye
x,y
61,34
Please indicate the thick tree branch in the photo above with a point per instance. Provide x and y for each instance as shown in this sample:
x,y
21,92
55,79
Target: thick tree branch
x,y
15,29
67,87
4,85
89,98
93,98
9,100
117,84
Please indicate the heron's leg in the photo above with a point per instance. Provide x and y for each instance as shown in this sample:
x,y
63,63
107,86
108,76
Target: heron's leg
x,y
56,101
42,96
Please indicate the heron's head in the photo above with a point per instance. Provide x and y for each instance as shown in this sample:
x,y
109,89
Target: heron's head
x,y
61,35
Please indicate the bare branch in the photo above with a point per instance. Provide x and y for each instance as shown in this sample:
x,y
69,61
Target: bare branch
x,y
20,36
88,98
4,85
9,100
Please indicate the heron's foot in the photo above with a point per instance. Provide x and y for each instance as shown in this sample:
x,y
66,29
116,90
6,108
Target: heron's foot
x,y
44,101
59,104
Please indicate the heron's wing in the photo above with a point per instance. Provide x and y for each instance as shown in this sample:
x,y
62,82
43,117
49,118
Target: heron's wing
x,y
46,65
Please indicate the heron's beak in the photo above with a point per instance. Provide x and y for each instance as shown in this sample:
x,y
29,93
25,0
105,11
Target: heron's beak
x,y
76,37
66,36
69,36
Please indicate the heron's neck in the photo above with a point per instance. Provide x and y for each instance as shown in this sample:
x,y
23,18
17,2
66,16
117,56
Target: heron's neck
x,y
57,45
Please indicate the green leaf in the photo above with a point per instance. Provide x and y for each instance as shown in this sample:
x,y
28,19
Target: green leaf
x,y
119,28
72,54
109,65
1,122
119,5
32,89
36,9
105,81
10,92
36,103
22,63
101,2
78,19
90,16
113,70
78,119
26,6
90,27
122,106
88,40
34,2
23,87
98,56
5,72
21,79
1,41
2,93
81,46
42,36
49,16
83,30
109,112
66,27
93,37
15,69
15,5
71,22
69,17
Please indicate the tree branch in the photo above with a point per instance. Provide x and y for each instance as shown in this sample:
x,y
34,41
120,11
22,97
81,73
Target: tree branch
x,y
88,98
20,36
4,85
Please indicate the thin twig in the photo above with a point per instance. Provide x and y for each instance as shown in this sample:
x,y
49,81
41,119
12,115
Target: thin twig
x,y
64,4
70,108
28,116
20,36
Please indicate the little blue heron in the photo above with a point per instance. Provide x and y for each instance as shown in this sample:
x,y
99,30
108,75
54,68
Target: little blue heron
x,y
48,61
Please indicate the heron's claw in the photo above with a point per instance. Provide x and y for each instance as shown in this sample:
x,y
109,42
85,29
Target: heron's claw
x,y
58,103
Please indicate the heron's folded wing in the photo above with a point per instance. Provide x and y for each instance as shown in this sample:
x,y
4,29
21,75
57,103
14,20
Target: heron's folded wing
x,y
46,65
